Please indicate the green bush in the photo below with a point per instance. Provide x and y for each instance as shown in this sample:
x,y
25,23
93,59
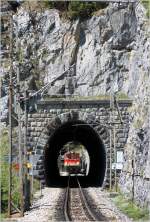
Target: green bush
x,y
60,5
76,9
4,170
4,150
83,10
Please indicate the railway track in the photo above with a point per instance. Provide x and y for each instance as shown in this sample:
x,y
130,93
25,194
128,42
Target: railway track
x,y
76,207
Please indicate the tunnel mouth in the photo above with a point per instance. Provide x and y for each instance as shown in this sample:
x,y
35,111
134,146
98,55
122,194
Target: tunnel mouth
x,y
84,134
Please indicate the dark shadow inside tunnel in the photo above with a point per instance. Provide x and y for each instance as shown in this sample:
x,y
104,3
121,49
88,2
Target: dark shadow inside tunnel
x,y
84,134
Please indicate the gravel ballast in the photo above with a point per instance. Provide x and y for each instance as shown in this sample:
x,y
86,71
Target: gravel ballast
x,y
49,206
102,203
46,207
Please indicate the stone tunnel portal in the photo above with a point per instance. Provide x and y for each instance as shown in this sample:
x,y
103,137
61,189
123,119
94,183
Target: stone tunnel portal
x,y
84,134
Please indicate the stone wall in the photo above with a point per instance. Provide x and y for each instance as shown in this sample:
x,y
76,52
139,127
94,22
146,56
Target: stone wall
x,y
51,115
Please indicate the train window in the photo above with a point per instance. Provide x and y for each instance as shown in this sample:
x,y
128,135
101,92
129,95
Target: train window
x,y
73,160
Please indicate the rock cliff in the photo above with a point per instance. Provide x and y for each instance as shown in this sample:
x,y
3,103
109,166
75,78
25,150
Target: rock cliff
x,y
100,50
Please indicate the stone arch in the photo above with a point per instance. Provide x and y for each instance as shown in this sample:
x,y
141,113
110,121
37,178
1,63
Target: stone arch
x,y
54,124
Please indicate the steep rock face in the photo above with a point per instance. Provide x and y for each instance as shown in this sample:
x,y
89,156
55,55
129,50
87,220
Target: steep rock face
x,y
135,178
98,50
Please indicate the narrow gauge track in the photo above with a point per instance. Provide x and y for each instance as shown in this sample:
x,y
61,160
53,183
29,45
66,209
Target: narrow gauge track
x,y
76,207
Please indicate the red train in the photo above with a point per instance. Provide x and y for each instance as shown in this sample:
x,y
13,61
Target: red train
x,y
72,159
72,163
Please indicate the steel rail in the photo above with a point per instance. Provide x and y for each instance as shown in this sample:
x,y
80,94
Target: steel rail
x,y
84,201
66,204
89,214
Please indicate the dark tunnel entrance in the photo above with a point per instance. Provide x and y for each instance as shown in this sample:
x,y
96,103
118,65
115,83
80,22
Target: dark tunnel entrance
x,y
84,134
73,160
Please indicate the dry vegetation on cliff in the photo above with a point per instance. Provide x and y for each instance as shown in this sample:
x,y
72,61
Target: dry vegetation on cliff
x,y
146,4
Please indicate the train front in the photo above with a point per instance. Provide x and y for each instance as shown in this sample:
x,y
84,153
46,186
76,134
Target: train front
x,y
73,160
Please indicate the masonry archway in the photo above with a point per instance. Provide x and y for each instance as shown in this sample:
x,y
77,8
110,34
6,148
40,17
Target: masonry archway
x,y
45,123
75,130
44,147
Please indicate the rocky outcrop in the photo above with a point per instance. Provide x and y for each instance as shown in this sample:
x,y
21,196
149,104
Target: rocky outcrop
x,y
135,179
99,49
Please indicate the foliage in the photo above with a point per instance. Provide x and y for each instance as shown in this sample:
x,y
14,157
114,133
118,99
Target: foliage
x,y
131,209
4,150
83,9
4,170
76,9
4,174
138,123
146,4
60,5
120,96
36,186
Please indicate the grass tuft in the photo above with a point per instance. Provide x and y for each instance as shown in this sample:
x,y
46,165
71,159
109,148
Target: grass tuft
x,y
131,209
